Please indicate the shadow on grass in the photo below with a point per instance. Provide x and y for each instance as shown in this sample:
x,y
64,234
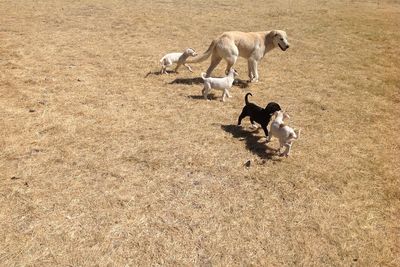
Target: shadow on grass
x,y
198,80
158,73
252,142
187,81
241,83
200,97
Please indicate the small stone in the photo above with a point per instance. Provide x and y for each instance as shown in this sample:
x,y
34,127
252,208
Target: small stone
x,y
247,164
31,110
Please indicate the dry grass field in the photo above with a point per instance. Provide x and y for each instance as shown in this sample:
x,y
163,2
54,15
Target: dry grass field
x,y
100,166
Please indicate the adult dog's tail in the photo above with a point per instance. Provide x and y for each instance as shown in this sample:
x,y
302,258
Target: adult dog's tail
x,y
203,75
246,98
204,56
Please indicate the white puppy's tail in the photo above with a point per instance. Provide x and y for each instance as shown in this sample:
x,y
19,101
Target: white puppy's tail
x,y
203,75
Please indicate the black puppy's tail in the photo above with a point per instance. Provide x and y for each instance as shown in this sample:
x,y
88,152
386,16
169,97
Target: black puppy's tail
x,y
246,98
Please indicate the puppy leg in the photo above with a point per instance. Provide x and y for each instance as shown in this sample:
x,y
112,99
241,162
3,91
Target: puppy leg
x,y
253,124
205,91
177,67
166,64
208,90
264,127
287,150
242,116
224,95
227,93
188,67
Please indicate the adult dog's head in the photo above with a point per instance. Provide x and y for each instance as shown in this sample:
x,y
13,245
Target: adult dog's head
x,y
280,39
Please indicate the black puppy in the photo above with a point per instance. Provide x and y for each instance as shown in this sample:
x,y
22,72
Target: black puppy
x,y
258,114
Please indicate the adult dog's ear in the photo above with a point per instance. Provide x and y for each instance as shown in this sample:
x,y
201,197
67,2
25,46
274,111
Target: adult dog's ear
x,y
271,34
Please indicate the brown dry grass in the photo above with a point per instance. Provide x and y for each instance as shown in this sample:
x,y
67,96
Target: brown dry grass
x,y
101,166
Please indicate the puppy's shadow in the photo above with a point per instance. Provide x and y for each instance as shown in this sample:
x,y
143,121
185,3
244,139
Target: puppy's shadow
x,y
252,141
198,80
200,97
187,81
158,73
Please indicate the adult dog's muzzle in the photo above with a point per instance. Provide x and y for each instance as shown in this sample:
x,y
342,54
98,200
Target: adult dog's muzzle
x,y
283,48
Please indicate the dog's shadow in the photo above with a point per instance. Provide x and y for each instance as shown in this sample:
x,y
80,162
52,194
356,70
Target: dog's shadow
x,y
187,81
252,142
198,80
200,97
158,73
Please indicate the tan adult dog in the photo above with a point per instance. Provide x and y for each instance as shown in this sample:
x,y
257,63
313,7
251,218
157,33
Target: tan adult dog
x,y
250,45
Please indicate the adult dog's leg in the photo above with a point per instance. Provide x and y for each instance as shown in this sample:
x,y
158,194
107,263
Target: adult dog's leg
x,y
250,70
255,71
230,62
215,60
253,66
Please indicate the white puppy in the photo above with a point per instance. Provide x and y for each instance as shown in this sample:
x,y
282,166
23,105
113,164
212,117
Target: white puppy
x,y
178,58
219,83
284,133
